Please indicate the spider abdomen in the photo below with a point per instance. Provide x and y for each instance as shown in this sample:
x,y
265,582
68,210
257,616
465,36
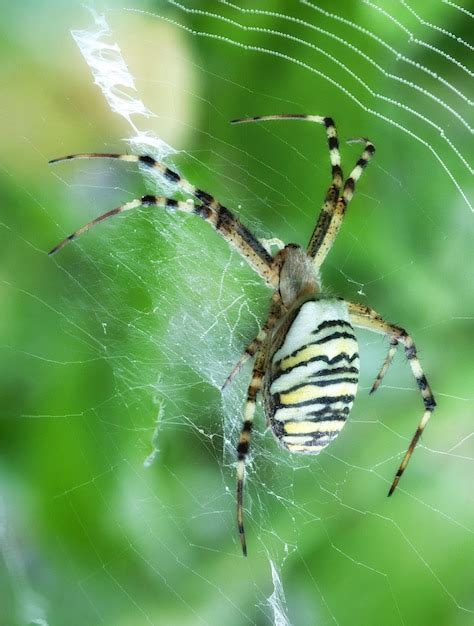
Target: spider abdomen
x,y
312,376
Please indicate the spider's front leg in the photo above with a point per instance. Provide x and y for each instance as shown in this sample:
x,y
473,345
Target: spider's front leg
x,y
328,237
335,204
367,318
332,194
209,209
144,201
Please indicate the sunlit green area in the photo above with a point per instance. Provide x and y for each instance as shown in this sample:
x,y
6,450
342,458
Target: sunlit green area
x,y
117,502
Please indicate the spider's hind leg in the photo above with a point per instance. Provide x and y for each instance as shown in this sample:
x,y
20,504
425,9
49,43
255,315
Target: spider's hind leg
x,y
249,352
244,439
386,364
367,318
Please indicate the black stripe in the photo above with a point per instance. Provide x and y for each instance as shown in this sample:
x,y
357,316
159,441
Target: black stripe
x,y
328,416
148,200
253,242
247,426
333,143
430,403
225,220
331,324
362,162
332,434
327,400
328,121
324,415
349,184
147,160
203,196
242,450
322,357
321,383
333,381
422,382
323,222
336,335
336,370
203,211
336,171
172,176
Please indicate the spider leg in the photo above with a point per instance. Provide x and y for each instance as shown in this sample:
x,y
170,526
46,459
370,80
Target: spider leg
x,y
133,204
256,343
337,217
332,193
386,364
367,318
244,442
248,353
212,211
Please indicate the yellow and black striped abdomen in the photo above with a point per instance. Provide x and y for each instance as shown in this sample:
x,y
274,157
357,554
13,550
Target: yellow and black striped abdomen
x,y
312,377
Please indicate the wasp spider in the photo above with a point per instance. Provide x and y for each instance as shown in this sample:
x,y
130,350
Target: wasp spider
x,y
306,356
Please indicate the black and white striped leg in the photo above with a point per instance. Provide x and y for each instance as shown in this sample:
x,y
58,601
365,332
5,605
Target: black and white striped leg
x,y
159,201
337,217
249,352
256,343
365,317
332,194
386,364
244,443
224,222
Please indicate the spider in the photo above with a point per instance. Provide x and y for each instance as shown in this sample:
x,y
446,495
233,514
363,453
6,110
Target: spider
x,y
306,355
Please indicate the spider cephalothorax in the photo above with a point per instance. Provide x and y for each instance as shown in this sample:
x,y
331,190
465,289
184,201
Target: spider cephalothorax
x,y
297,274
306,357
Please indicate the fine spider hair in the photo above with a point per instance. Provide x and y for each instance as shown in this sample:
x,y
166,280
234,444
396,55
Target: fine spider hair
x,y
306,355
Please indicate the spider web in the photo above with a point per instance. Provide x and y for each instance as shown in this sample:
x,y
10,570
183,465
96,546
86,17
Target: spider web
x,y
148,314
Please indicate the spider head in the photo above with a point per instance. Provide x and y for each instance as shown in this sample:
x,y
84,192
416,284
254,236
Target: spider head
x,y
297,275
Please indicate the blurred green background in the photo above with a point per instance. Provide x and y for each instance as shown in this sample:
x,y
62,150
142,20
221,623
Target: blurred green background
x,y
116,459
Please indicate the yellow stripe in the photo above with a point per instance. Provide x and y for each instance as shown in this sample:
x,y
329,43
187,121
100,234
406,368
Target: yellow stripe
x,y
330,349
313,392
306,427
